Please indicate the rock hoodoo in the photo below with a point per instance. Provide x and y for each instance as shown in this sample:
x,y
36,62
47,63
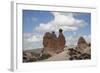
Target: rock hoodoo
x,y
52,44
60,41
82,45
49,43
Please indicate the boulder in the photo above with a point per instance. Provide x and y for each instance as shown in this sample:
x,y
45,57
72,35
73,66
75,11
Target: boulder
x,y
29,57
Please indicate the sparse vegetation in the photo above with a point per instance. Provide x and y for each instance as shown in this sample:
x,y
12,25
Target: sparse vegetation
x,y
44,56
81,51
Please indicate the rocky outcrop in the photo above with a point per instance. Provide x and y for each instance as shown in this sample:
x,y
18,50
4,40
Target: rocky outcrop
x,y
82,45
82,50
52,44
55,50
60,42
29,56
49,43
47,40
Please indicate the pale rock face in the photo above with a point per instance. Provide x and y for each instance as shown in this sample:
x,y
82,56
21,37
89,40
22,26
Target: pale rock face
x,y
82,45
87,50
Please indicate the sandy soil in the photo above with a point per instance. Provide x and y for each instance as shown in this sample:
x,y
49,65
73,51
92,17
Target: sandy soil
x,y
61,56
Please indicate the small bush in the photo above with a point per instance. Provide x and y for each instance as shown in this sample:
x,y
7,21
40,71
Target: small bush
x,y
44,56
85,56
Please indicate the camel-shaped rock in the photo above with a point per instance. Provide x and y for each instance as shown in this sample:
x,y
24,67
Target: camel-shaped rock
x,y
53,45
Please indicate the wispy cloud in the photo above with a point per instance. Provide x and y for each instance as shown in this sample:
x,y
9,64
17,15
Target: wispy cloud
x,y
32,41
66,21
72,40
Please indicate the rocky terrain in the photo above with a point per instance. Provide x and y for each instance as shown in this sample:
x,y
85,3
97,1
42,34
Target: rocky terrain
x,y
82,51
53,44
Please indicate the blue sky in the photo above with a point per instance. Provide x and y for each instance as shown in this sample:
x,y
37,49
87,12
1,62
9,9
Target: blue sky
x,y
32,19
29,21
75,23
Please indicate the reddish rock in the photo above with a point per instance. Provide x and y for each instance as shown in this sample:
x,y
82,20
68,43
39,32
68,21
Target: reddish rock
x,y
60,41
47,40
49,43
52,44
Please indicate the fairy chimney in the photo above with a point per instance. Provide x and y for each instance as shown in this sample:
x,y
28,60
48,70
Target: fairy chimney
x,y
49,42
60,41
82,44
52,44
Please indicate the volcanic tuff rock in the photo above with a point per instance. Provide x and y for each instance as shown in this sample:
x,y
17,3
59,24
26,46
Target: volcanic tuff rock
x,y
52,44
83,46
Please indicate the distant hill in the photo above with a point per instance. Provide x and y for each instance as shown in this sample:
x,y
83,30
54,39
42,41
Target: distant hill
x,y
34,50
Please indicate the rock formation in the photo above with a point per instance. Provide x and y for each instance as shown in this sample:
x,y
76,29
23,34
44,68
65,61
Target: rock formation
x,y
29,56
60,41
47,40
54,50
52,44
82,45
49,43
83,48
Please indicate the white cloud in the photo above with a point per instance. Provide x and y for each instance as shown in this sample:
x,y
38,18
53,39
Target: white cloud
x,y
32,41
72,40
27,35
66,21
34,38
